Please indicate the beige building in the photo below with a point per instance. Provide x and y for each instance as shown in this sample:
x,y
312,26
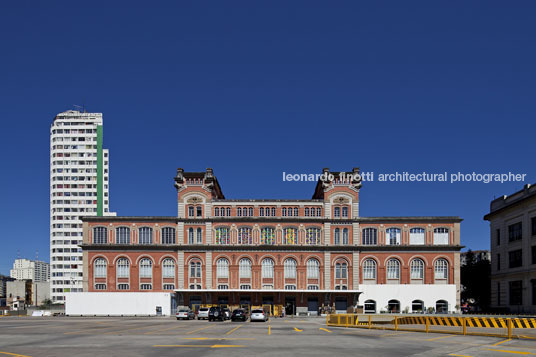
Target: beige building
x,y
513,251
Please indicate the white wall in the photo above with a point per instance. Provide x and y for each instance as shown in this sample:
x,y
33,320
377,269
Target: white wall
x,y
406,293
117,304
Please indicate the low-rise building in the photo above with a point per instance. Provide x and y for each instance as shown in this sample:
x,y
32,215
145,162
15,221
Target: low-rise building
x,y
3,285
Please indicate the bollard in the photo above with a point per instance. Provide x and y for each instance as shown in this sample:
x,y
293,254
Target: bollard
x,y
369,321
396,323
338,320
427,324
509,324
464,324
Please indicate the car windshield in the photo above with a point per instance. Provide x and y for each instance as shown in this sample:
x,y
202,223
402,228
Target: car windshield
x,y
257,312
183,310
203,309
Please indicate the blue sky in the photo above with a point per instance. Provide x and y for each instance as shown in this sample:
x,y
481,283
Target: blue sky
x,y
253,89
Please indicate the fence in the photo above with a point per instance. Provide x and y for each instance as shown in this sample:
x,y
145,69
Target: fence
x,y
488,326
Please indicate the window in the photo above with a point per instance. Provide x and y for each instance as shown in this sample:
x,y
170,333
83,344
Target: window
x,y
533,223
498,293
416,236
273,211
306,211
441,236
199,236
370,307
267,235
123,268
345,236
337,237
195,269
244,236
337,212
296,212
345,211
370,236
312,236
417,269
122,235
190,236
498,236
392,236
290,236
239,211
290,287
222,235
498,262
313,269
244,268
533,254
123,287
100,235
319,212
290,268
313,287
251,211
442,306
222,268
245,287
217,211
146,235
169,286
168,235
228,209
261,211
515,232
99,268
190,211
393,269
199,211
284,212
516,292
267,287
245,211
369,269
146,268
441,269
146,286
223,287
267,268
515,258
100,286
168,268
341,270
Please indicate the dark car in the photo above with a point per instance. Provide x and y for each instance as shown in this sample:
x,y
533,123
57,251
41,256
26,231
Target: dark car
x,y
239,315
216,313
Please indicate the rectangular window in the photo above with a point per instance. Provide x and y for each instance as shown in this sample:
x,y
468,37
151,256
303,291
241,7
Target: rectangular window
x,y
498,294
199,211
515,258
515,232
533,292
498,236
498,262
534,254
533,221
516,291
190,211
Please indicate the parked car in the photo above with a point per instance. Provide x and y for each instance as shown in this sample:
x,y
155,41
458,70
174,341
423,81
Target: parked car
x,y
202,313
227,313
216,313
239,315
185,314
258,315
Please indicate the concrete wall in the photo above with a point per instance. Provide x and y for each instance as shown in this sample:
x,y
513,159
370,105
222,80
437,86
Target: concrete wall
x,y
117,304
406,293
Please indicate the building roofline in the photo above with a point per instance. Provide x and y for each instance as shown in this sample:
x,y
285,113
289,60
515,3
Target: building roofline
x,y
508,201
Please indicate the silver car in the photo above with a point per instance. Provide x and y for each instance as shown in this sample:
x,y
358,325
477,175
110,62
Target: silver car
x,y
258,315
185,314
202,313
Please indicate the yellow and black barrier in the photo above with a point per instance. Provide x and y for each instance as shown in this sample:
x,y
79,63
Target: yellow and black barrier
x,y
396,323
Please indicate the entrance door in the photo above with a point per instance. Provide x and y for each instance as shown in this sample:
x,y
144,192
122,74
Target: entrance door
x,y
267,304
312,306
290,305
195,302
341,305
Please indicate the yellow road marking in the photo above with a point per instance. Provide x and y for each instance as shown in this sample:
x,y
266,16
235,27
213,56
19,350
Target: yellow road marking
x,y
297,329
324,329
218,338
507,351
503,341
269,330
439,338
233,330
206,346
128,329
199,329
13,354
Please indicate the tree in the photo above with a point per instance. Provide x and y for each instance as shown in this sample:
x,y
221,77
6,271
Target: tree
x,y
475,278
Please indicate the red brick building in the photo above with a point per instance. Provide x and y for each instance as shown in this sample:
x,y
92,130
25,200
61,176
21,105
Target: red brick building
x,y
297,253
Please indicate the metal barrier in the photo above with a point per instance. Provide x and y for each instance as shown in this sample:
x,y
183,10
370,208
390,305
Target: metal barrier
x,y
488,326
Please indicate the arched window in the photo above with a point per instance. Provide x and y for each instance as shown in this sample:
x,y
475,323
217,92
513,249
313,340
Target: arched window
x,y
369,269
319,212
393,306
345,236
370,307
273,211
345,211
392,236
123,268
441,236
146,268
313,269
417,269
417,306
341,270
122,235
312,236
290,268
146,235
251,211
284,212
268,235
100,235
337,212
222,268
416,236
296,212
244,268
168,268
267,268
244,236
217,211
442,306
99,268
441,269
393,269
195,269
306,211
199,236
261,211
222,235
190,236
228,209
337,237
239,211
290,236
370,236
168,235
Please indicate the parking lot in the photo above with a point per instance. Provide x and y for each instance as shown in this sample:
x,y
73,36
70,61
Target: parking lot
x,y
62,336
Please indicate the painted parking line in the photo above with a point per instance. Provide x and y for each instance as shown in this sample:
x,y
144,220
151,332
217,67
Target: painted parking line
x,y
439,338
503,341
13,354
199,329
219,338
204,346
269,330
129,329
297,329
508,351
233,330
324,329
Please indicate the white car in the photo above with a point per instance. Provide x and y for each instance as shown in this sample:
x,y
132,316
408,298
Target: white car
x,y
202,313
258,315
185,314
